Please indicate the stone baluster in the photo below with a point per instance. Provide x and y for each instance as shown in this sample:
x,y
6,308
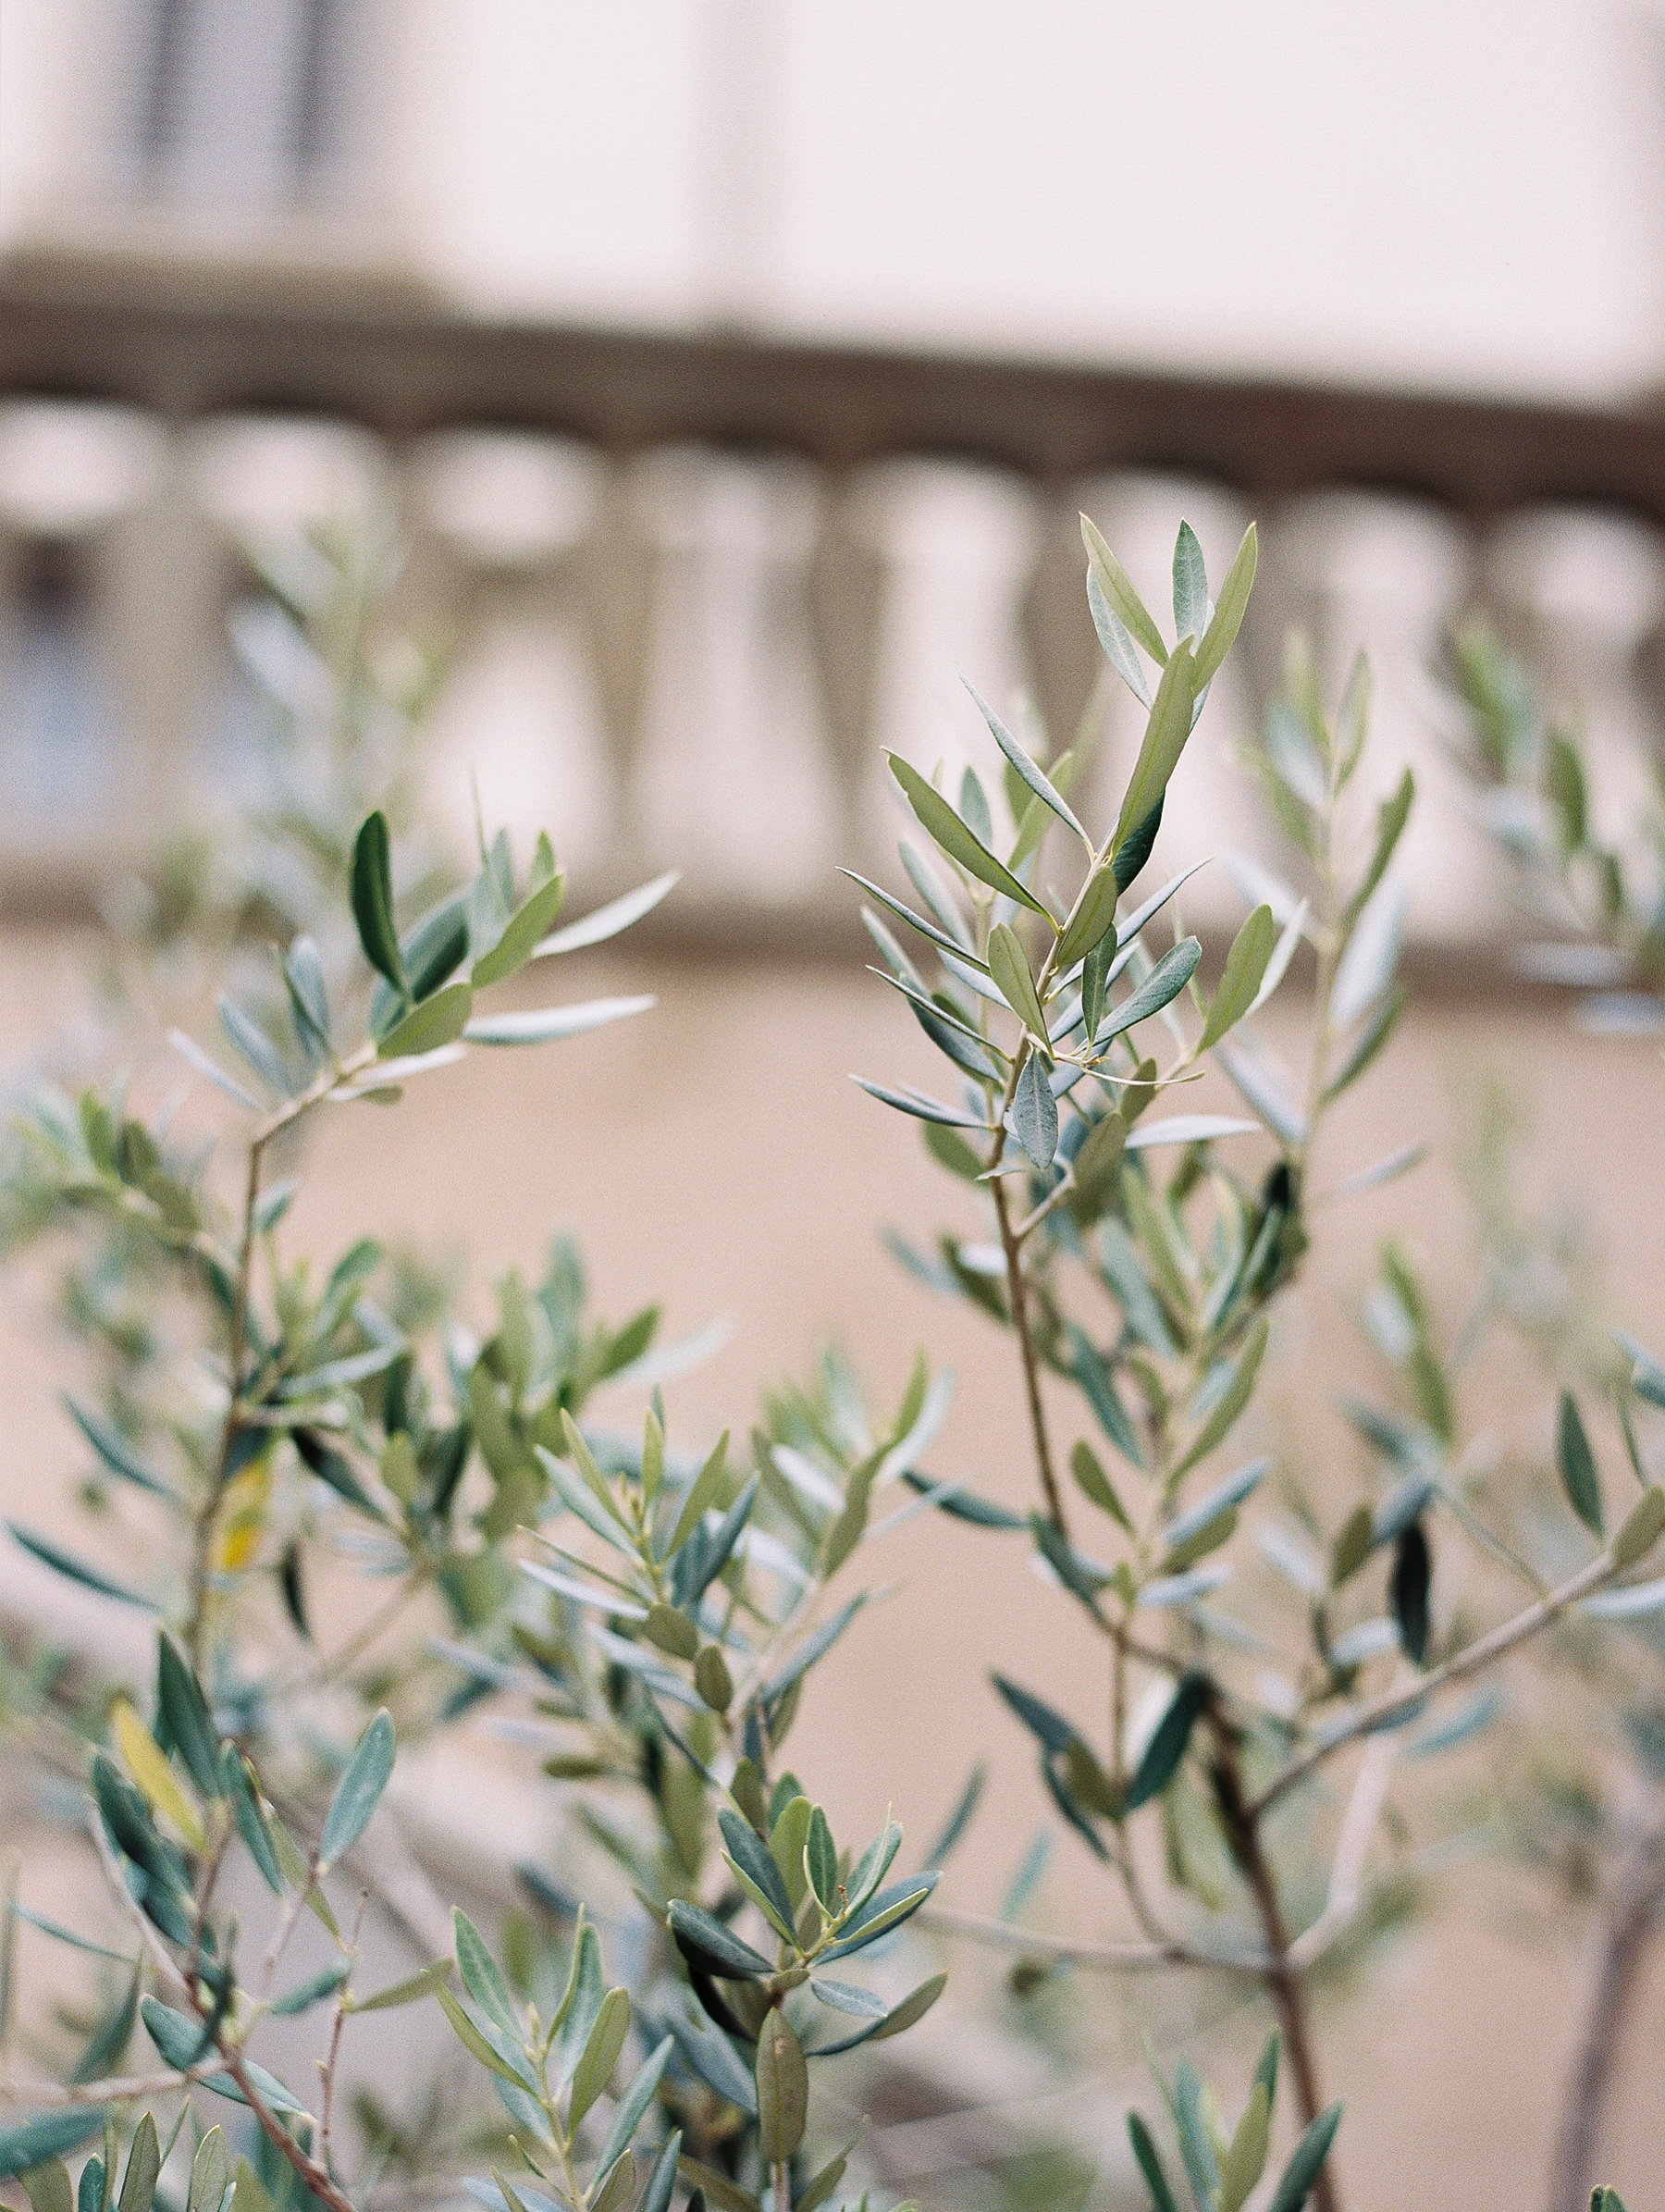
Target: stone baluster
x,y
732,781
503,523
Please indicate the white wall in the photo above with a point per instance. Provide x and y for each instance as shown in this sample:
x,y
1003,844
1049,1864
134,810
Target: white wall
x,y
1460,191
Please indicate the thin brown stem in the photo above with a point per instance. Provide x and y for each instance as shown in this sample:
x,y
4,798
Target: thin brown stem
x,y
1632,1920
286,1927
328,2069
315,2175
202,1564
1120,1958
119,2089
228,2055
202,1569
1017,1298
1283,1979
1398,1704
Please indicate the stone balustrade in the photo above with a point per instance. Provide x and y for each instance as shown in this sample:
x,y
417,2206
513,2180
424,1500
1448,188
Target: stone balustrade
x,y
683,641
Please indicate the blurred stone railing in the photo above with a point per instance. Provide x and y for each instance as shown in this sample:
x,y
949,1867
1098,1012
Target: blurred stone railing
x,y
694,584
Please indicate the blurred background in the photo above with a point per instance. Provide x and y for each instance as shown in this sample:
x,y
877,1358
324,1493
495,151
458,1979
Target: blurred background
x,y
731,373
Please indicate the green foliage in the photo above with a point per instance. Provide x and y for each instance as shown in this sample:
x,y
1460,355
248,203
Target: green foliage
x,y
645,1611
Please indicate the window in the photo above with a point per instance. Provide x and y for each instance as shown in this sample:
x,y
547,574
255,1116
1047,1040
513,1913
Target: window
x,y
241,105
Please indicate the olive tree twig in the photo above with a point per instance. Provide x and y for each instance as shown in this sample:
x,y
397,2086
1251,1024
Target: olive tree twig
x,y
1401,1703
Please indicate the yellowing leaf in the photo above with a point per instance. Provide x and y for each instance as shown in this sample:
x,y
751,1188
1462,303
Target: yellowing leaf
x,y
144,1759
242,1516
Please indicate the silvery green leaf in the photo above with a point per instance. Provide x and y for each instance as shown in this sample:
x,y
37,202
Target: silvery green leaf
x,y
1119,648
916,1102
976,1056
1034,1116
813,1649
726,1952
31,2143
1165,738
632,2104
481,1975
253,1047
1257,886
113,1447
188,1049
608,920
957,838
323,1983
1117,588
1028,770
1142,917
396,1072
953,946
359,1791
1168,1741
546,1024
1468,1721
433,950
1292,1559
1150,2165
1391,817
1296,2183
913,2007
662,2181
409,1991
1367,1639
921,1431
1367,1041
1186,1129
1277,966
491,2196
891,953
1251,1069
1295,757
1366,967
519,938
1050,1728
1190,586
432,1024
750,1855
620,1609
808,1478
1383,1172
64,1562
921,876
1220,630
1648,1376
1126,1275
1013,977
59,1934
309,1000
341,1374
1576,1464
1232,1491
664,1363
974,805
712,2057
1636,1601
1246,965
887,1908
1164,983
180,2043
1179,1589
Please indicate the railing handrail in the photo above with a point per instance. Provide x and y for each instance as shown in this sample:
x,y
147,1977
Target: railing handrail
x,y
185,338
